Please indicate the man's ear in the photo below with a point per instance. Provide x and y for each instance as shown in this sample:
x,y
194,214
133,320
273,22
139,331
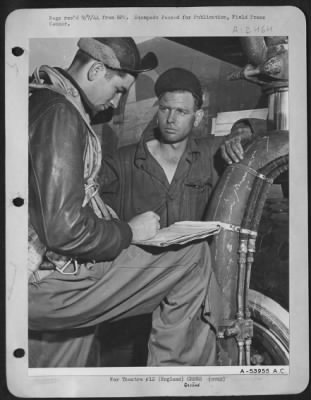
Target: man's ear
x,y
198,117
96,70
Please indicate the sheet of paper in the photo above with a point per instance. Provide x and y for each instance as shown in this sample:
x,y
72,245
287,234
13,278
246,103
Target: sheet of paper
x,y
181,233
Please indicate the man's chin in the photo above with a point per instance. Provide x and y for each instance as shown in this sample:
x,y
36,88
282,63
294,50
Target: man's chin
x,y
170,135
172,139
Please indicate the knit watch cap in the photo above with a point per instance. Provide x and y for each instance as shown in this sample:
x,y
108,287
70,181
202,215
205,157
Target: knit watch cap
x,y
120,53
179,79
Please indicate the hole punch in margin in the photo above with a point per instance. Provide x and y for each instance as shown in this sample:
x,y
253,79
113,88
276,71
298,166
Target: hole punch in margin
x,y
17,51
19,353
18,201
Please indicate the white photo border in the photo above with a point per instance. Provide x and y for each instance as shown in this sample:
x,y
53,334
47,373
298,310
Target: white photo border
x,y
23,25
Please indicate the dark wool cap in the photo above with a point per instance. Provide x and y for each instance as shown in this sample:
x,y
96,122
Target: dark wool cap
x,y
120,53
179,79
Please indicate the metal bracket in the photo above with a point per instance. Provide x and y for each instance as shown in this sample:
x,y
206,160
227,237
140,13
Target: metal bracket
x,y
236,228
252,172
241,329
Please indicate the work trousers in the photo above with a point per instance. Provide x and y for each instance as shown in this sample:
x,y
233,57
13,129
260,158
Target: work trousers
x,y
64,310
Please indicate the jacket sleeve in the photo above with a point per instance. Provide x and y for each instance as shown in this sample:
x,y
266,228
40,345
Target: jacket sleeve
x,y
56,190
258,127
109,182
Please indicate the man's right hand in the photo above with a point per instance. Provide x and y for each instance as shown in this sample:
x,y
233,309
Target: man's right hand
x,y
232,149
145,226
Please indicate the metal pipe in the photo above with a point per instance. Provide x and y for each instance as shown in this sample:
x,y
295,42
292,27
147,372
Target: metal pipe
x,y
250,260
241,352
241,279
248,343
278,109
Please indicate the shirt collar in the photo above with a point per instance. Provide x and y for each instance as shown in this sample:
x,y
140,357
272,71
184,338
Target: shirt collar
x,y
193,149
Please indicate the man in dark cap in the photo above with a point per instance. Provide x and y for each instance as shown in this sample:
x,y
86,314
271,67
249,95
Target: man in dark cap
x,y
83,270
170,171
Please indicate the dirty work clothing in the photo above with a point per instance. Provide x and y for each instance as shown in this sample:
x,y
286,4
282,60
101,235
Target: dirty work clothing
x,y
133,182
65,309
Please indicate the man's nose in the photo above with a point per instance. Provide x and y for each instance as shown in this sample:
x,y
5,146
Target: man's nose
x,y
114,102
171,116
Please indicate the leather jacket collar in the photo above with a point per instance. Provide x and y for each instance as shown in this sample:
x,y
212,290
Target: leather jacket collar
x,y
56,78
89,108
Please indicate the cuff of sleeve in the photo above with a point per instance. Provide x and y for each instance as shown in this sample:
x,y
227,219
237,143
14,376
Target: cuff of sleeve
x,y
243,121
127,234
